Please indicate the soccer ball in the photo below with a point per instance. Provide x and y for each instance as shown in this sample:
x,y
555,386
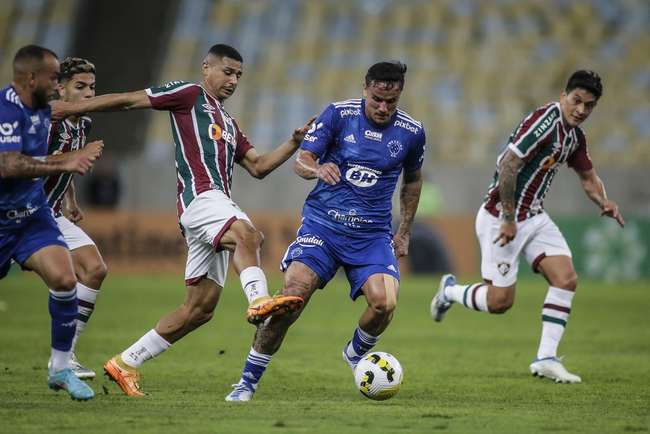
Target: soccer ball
x,y
378,376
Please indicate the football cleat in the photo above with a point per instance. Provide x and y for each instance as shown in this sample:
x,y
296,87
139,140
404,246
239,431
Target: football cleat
x,y
440,304
552,368
351,361
126,377
80,370
65,379
265,307
241,392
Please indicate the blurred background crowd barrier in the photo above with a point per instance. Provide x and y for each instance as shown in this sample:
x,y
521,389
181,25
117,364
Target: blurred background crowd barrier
x,y
475,69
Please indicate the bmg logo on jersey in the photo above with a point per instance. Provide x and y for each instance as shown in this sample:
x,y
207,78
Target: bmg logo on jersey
x,y
362,176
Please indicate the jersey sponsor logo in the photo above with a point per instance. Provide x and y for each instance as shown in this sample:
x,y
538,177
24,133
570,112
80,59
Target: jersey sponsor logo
x,y
173,83
407,126
547,163
350,139
362,176
16,214
310,138
7,133
309,240
373,135
215,131
541,128
350,112
350,219
314,126
394,147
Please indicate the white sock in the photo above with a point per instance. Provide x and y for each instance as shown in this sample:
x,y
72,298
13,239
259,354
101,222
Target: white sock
x,y
555,314
87,297
472,296
59,360
253,281
147,347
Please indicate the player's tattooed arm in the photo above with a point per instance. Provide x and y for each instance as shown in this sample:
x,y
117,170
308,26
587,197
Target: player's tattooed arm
x,y
409,199
595,190
17,165
307,167
508,170
261,165
103,103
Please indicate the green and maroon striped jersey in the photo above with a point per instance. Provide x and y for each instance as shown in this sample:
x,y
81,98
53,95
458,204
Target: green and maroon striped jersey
x,y
64,136
544,143
208,141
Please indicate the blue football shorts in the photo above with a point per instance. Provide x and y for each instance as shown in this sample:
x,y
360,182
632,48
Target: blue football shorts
x,y
324,251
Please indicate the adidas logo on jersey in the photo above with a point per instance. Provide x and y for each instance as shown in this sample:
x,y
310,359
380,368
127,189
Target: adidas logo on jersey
x,y
392,268
350,139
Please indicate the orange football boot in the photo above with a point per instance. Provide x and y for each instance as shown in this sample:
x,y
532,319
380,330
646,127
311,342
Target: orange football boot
x,y
126,377
262,308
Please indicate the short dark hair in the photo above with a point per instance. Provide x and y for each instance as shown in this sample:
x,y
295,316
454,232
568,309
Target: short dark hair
x,y
75,65
223,50
32,52
587,80
386,72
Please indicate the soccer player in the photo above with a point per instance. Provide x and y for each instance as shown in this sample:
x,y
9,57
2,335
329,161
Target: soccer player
x,y
28,232
208,143
76,81
357,150
512,220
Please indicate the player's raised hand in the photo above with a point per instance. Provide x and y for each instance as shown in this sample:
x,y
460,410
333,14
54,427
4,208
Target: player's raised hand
x,y
82,160
507,233
329,173
610,209
299,133
94,149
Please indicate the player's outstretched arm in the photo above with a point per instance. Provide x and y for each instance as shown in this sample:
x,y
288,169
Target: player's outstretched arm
x,y
409,199
103,103
508,170
14,164
261,165
595,190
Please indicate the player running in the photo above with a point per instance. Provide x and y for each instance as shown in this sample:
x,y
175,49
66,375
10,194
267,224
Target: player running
x,y
28,232
512,220
357,150
76,82
208,143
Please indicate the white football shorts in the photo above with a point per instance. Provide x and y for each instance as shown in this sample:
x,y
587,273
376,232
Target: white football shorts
x,y
74,236
204,222
536,238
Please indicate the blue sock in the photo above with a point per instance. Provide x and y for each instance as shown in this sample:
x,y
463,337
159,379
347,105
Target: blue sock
x,y
254,368
360,345
63,311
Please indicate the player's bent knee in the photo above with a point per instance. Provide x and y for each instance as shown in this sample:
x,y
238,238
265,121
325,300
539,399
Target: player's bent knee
x,y
63,282
382,306
568,282
500,301
97,271
198,316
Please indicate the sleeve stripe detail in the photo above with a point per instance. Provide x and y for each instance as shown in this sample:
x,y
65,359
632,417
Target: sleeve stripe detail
x,y
525,133
408,117
347,101
168,92
409,120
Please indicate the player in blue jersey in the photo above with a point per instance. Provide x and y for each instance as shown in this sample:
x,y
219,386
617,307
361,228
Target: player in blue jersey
x,y
28,233
357,150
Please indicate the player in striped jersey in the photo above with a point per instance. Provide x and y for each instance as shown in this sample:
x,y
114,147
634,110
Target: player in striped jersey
x,y
76,82
512,220
208,144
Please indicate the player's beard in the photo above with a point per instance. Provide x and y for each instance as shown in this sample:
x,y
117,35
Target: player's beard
x,y
40,98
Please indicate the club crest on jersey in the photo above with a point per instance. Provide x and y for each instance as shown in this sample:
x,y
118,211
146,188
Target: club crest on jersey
x,y
362,176
394,147
215,132
373,135
296,252
547,163
503,268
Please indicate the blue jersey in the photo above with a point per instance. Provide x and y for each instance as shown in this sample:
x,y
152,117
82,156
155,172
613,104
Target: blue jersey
x,y
370,158
24,130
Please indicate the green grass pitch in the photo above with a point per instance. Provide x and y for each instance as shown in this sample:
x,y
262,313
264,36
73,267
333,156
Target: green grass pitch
x,y
468,374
